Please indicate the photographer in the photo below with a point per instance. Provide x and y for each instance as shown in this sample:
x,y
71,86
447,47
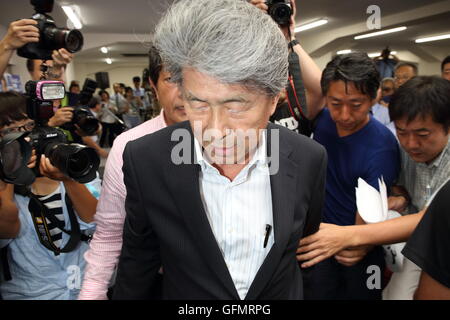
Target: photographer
x,y
51,274
22,32
310,73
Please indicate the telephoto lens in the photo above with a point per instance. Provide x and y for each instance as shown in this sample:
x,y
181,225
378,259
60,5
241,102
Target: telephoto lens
x,y
71,40
75,160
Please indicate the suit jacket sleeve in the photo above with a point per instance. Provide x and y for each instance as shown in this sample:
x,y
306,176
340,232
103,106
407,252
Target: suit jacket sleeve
x,y
314,216
139,261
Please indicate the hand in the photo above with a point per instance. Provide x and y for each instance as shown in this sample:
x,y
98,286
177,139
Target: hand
x,y
50,171
20,33
32,162
325,243
398,204
61,116
261,4
351,256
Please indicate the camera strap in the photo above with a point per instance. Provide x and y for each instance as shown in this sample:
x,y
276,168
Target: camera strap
x,y
40,213
296,94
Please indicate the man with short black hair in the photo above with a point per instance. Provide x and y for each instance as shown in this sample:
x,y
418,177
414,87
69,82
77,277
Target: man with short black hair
x,y
105,247
358,146
403,72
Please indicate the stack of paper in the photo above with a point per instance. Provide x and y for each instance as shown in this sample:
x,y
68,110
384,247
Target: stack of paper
x,y
373,207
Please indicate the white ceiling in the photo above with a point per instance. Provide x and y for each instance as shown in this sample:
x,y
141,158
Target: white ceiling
x,y
139,17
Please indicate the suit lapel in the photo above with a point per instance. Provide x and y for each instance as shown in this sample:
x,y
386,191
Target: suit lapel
x,y
194,215
283,187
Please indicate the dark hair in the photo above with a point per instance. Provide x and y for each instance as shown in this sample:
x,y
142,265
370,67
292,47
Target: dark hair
x,y
356,68
12,108
127,89
122,85
73,84
422,96
93,102
407,64
154,64
136,79
446,60
102,92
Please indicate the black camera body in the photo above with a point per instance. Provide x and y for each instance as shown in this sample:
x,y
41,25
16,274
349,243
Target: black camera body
x,y
82,115
280,11
51,37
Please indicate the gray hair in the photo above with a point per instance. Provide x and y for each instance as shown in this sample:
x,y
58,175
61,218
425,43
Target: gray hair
x,y
229,40
388,79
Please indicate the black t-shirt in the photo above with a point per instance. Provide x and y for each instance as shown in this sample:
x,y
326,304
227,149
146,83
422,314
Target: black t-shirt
x,y
429,245
283,117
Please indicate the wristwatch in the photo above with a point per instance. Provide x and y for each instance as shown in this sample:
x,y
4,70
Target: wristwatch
x,y
293,43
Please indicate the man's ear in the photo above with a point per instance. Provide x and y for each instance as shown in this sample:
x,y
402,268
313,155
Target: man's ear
x,y
275,100
153,86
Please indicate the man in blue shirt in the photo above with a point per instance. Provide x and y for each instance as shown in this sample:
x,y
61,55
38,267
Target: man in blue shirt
x,y
358,146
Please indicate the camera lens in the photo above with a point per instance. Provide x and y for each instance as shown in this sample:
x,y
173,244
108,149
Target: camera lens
x,y
281,13
11,156
57,38
75,160
74,41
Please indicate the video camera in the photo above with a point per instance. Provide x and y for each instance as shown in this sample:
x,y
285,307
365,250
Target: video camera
x,y
74,160
82,115
280,11
51,37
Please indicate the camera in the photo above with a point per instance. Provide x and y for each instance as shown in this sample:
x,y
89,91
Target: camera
x,y
74,160
82,115
15,152
280,11
51,37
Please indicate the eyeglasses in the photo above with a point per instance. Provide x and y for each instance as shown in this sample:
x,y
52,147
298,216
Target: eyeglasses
x,y
26,127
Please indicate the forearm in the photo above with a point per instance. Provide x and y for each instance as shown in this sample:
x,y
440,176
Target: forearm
x,y
311,76
9,218
386,232
83,201
5,55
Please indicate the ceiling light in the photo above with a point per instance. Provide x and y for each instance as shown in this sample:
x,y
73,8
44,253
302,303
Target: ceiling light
x,y
73,17
311,25
108,60
344,51
104,49
379,33
441,37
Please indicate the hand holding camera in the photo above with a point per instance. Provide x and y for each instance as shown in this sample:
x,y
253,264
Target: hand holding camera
x,y
282,12
62,115
20,33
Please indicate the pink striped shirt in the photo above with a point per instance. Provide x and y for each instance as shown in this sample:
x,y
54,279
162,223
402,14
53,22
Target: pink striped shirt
x,y
103,254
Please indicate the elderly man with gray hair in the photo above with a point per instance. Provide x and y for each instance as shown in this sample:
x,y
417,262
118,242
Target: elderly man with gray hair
x,y
223,203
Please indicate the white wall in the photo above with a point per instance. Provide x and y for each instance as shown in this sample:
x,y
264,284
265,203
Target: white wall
x,y
117,73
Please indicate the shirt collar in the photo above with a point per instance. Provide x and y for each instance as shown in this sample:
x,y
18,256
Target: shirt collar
x,y
437,162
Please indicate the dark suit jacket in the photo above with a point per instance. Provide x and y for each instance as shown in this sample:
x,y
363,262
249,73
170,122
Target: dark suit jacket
x,y
166,222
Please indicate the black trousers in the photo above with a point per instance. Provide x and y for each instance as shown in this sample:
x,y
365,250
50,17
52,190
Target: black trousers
x,y
330,280
110,131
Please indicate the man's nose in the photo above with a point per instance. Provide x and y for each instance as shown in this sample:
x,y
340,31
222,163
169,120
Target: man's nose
x,y
412,142
345,113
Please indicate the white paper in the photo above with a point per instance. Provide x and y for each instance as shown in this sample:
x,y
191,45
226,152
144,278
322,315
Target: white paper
x,y
373,207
